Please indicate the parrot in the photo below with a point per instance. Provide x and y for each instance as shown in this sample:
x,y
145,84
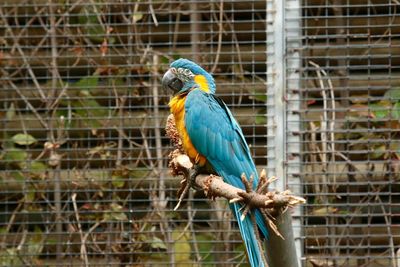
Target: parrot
x,y
211,136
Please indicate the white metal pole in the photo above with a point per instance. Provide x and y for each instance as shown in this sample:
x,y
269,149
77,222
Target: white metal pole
x,y
283,122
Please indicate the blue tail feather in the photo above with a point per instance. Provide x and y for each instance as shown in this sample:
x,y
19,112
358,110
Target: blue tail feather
x,y
249,237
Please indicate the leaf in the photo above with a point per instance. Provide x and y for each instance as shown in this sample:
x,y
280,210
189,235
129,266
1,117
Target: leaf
x,y
89,18
164,60
182,249
10,114
136,17
259,97
157,243
9,257
395,147
86,83
261,117
378,151
18,176
115,213
324,211
117,181
393,95
205,243
23,139
86,107
381,109
30,196
139,173
181,245
257,94
15,155
396,111
35,244
119,216
38,169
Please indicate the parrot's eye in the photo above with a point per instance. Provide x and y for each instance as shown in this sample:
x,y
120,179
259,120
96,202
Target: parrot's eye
x,y
172,81
175,85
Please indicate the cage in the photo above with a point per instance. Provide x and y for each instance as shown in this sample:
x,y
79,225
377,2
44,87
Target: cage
x,y
83,170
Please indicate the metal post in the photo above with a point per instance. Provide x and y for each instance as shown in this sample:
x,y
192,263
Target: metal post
x,y
283,122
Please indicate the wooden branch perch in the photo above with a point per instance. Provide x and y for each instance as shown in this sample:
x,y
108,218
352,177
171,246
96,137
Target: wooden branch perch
x,y
214,186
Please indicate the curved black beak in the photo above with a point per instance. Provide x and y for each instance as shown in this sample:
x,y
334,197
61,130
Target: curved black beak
x,y
171,82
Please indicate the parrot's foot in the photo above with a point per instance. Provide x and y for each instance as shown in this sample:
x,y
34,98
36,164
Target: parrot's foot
x,y
188,182
192,178
248,198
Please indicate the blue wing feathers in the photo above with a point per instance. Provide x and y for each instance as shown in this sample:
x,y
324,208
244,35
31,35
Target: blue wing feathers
x,y
216,135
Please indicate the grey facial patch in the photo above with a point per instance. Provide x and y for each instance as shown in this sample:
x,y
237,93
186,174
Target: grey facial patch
x,y
183,74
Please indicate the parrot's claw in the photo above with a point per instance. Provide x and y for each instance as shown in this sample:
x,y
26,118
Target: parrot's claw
x,y
261,188
192,177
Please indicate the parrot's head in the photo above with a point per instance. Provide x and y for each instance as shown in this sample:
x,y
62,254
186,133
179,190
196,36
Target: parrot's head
x,y
185,75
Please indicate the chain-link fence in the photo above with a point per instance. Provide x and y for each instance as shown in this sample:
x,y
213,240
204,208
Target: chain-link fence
x,y
83,170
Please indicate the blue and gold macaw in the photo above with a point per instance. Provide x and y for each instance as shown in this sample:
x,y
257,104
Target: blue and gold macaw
x,y
211,135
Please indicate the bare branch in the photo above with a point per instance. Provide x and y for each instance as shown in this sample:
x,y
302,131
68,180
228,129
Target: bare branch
x,y
214,186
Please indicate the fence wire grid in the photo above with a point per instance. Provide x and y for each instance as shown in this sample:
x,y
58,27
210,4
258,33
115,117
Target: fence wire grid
x,y
83,157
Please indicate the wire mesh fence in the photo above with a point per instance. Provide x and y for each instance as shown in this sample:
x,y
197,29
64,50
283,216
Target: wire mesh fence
x,y
84,178
350,132
83,171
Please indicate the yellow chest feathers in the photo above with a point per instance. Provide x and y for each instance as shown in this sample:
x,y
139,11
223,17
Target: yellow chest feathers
x,y
177,107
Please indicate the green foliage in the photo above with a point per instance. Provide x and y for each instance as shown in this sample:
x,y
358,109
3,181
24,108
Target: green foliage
x,y
93,26
380,110
27,254
261,117
86,110
382,114
15,156
181,247
17,160
137,16
396,111
10,114
388,107
86,83
258,95
117,181
205,242
115,213
23,139
393,94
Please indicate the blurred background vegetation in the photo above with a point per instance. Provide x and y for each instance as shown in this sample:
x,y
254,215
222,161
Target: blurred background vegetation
x,y
83,176
83,153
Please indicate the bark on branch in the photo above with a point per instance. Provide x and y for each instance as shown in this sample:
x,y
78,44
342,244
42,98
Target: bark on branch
x,y
214,186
